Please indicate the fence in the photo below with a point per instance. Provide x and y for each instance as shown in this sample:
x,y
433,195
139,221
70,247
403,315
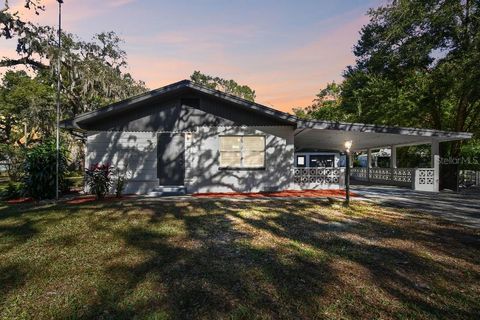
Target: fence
x,y
319,178
394,176
422,179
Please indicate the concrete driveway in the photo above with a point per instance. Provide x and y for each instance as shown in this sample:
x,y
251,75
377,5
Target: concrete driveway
x,y
463,208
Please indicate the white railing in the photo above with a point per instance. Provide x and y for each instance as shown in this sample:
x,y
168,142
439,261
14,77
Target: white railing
x,y
311,178
396,176
425,179
359,174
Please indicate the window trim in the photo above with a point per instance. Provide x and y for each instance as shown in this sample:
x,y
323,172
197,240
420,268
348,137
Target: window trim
x,y
242,167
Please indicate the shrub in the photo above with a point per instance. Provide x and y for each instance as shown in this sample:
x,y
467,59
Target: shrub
x,y
12,191
120,178
40,170
14,157
98,178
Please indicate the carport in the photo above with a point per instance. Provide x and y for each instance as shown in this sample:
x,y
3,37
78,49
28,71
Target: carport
x,y
327,135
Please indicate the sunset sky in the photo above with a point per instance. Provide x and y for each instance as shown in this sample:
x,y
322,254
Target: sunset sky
x,y
285,50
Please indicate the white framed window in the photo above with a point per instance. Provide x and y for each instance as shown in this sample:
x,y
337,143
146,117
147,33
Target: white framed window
x,y
301,161
242,152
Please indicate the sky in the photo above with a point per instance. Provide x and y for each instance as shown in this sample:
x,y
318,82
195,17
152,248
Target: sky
x,y
285,50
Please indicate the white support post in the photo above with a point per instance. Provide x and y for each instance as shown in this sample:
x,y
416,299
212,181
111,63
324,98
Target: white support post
x,y
435,151
369,163
393,157
436,173
436,165
393,162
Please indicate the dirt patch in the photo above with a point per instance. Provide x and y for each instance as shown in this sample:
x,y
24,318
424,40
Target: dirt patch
x,y
90,199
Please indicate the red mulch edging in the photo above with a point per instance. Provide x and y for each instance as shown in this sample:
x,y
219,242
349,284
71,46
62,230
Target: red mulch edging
x,y
274,194
19,200
277,194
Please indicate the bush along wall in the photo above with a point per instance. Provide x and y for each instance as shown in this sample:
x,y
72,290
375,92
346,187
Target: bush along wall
x,y
99,180
40,170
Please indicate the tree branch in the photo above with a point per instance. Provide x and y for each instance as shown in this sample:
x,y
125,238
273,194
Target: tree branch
x,y
23,61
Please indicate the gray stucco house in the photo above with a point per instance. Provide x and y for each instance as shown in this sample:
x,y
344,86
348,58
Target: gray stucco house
x,y
188,137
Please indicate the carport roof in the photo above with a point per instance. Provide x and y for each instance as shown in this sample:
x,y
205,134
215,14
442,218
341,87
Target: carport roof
x,y
332,135
308,133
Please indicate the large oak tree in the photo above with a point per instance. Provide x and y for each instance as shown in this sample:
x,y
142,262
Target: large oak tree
x,y
417,64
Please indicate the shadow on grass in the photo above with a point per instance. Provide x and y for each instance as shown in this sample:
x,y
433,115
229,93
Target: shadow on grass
x,y
217,271
213,272
12,276
272,259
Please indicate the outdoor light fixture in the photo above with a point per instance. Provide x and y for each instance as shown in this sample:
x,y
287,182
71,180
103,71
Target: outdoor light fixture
x,y
348,146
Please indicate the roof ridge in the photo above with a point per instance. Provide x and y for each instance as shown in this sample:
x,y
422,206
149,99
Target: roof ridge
x,y
185,83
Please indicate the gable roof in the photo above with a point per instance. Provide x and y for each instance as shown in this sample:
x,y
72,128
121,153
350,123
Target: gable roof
x,y
249,106
132,102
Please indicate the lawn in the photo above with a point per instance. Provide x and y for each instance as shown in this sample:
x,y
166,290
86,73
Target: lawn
x,y
209,259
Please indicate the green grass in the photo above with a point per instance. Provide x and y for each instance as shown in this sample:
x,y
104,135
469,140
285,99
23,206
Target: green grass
x,y
234,260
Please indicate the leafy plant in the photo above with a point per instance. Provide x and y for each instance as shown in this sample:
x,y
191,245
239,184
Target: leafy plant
x,y
13,191
120,179
40,170
14,157
98,178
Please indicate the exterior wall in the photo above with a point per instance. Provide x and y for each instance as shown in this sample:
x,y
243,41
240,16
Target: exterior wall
x,y
202,161
135,152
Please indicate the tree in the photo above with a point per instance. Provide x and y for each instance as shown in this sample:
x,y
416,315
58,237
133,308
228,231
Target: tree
x,y
228,86
416,65
93,73
325,106
25,101
12,26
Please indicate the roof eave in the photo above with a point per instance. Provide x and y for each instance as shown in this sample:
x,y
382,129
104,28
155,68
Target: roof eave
x,y
127,103
371,128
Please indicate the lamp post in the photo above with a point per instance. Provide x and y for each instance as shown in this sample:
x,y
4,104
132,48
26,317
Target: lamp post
x,y
348,145
59,65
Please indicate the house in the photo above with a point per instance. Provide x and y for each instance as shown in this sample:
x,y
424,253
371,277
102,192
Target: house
x,y
193,139
378,158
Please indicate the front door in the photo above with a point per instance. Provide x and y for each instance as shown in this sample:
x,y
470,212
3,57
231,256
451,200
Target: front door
x,y
171,159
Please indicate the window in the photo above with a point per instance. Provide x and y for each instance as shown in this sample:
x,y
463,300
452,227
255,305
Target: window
x,y
322,161
301,161
242,152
